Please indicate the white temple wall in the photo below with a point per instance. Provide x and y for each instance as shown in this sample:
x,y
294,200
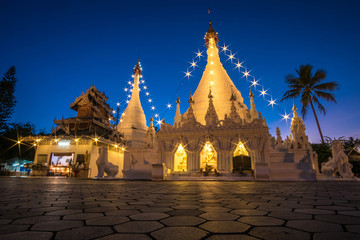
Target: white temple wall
x,y
115,157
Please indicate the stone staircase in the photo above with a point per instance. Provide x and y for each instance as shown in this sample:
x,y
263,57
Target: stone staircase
x,y
283,168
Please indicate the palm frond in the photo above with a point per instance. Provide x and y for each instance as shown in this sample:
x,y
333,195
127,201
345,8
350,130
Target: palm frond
x,y
328,86
293,93
326,96
305,101
318,77
320,107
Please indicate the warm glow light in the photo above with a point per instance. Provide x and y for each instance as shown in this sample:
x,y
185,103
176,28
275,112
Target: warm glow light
x,y
225,48
96,139
254,83
168,105
76,140
109,119
272,102
114,111
34,144
118,104
263,92
150,100
152,108
147,93
56,140
211,62
116,145
129,82
127,101
193,64
37,140
187,74
156,115
125,89
145,87
18,142
211,72
285,116
142,81
199,54
211,83
158,122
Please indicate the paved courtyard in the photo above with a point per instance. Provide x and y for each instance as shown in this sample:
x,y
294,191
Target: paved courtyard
x,y
55,208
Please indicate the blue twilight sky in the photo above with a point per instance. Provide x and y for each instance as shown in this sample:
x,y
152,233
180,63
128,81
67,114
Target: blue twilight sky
x,y
60,48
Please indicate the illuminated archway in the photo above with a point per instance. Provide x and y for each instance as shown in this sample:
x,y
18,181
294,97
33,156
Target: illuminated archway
x,y
208,157
180,159
240,150
241,159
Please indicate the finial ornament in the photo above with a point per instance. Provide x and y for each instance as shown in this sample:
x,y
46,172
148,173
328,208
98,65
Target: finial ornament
x,y
210,94
191,100
178,100
211,37
137,68
251,94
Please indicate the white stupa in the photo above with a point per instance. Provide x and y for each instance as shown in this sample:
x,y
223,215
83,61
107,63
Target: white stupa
x,y
133,120
216,79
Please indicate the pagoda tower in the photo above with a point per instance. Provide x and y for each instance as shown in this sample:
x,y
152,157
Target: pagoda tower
x,y
133,121
216,78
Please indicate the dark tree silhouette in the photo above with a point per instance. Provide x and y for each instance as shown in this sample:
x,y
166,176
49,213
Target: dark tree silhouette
x,y
7,97
310,87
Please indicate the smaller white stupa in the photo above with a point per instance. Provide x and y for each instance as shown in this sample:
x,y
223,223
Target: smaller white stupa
x,y
133,120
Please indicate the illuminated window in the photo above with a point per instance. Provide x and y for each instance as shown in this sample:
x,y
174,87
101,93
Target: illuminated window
x,y
208,157
240,150
180,159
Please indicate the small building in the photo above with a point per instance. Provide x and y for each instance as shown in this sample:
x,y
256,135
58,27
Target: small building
x,y
74,142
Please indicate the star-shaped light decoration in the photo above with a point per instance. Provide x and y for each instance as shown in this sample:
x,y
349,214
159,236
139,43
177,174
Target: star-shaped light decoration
x,y
133,76
152,108
125,89
263,92
254,83
246,73
187,74
118,104
147,93
193,64
142,81
158,122
145,87
150,100
168,105
239,65
156,115
272,102
113,111
199,54
224,48
285,116
231,57
129,96
129,82
127,101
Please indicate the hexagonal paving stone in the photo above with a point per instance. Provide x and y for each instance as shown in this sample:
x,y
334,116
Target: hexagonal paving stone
x,y
279,233
336,236
56,225
123,212
290,215
225,227
13,228
215,209
182,221
138,227
82,216
231,237
83,233
249,212
148,216
350,213
37,219
63,212
353,228
27,235
107,220
314,211
187,233
219,216
185,212
186,206
125,236
261,221
314,226
155,209
340,219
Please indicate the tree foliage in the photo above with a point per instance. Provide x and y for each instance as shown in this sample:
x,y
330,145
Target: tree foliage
x,y
310,88
7,97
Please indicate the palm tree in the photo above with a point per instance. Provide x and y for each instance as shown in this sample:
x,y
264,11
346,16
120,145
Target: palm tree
x,y
310,87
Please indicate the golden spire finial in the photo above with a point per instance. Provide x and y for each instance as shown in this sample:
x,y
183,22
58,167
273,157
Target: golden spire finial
x,y
137,67
211,34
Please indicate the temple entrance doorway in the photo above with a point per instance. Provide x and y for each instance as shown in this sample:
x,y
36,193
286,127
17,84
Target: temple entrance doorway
x,y
241,159
180,159
208,158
